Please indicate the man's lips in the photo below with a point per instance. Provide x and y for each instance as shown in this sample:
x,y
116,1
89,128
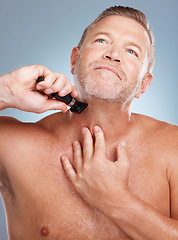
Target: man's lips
x,y
109,69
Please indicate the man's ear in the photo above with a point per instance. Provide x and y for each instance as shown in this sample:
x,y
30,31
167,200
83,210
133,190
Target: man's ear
x,y
146,81
73,58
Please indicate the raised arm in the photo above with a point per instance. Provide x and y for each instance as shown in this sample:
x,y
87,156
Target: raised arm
x,y
20,90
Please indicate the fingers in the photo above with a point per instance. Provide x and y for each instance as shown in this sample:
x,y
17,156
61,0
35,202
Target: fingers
x,y
85,154
87,144
55,82
69,170
22,84
121,152
74,92
99,140
53,105
122,158
77,156
62,85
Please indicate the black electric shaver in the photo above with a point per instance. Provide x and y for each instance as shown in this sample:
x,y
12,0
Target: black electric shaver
x,y
75,106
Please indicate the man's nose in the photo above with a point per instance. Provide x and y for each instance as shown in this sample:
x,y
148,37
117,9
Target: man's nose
x,y
113,54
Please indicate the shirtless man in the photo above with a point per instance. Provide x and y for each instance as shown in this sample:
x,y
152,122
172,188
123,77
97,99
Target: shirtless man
x,y
125,182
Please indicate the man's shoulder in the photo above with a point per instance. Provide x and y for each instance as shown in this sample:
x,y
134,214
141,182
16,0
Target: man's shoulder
x,y
153,124
12,124
26,137
14,133
162,139
13,130
159,132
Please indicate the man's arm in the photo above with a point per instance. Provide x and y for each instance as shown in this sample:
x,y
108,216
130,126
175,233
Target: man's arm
x,y
19,89
103,184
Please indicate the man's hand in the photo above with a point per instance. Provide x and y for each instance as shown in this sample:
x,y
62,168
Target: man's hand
x,y
98,180
19,89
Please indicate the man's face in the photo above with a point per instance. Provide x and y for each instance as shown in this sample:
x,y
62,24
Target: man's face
x,y
113,60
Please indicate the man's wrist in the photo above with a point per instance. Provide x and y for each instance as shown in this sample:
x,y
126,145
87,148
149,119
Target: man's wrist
x,y
117,205
118,210
5,94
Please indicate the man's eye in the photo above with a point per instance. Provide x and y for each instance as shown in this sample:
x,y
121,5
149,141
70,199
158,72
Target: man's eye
x,y
101,41
132,52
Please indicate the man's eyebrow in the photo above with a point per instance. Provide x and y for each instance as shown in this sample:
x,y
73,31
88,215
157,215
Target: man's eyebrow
x,y
102,33
135,45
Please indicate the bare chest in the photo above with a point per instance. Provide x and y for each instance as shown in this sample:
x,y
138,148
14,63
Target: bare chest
x,y
47,202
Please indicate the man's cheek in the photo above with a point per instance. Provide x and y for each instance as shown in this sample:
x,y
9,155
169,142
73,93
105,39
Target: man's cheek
x,y
89,54
132,71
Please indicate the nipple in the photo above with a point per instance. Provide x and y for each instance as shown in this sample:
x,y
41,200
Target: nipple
x,y
44,231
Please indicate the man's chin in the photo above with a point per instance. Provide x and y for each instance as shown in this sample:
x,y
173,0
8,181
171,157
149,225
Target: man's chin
x,y
103,96
103,90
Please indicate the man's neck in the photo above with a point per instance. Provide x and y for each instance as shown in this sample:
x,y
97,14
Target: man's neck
x,y
113,118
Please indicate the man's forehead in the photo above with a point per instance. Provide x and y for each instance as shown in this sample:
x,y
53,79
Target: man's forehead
x,y
122,26
119,23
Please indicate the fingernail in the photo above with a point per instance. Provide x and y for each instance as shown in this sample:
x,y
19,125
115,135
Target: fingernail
x,y
62,157
39,87
123,144
64,110
96,128
63,92
48,91
84,130
75,143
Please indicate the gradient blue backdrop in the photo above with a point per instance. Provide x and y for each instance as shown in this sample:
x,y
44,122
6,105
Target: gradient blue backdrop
x,y
45,31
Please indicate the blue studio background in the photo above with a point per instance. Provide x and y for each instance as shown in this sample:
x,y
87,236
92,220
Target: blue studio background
x,y
45,31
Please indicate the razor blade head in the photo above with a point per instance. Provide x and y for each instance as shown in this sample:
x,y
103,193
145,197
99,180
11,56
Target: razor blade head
x,y
78,107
